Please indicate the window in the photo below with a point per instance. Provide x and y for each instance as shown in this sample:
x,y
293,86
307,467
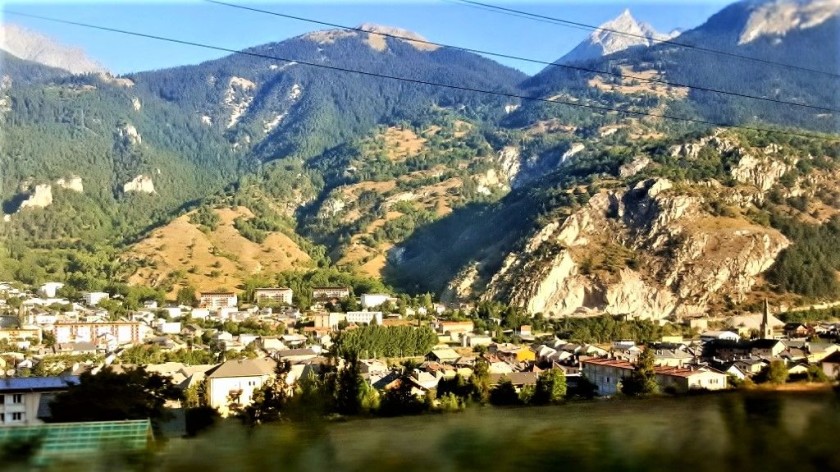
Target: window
x,y
2,399
2,417
17,398
17,416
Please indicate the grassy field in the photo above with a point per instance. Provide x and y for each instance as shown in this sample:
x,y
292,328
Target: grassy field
x,y
764,431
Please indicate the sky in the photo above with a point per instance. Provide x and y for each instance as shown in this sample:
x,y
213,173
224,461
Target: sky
x,y
442,21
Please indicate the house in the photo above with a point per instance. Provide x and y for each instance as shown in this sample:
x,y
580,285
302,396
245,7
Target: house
x,y
271,343
796,330
455,327
512,352
831,365
330,293
331,321
280,295
93,298
217,300
49,289
75,348
709,336
767,348
472,340
682,380
750,366
373,300
233,383
671,357
606,374
518,379
819,351
443,355
295,356
25,400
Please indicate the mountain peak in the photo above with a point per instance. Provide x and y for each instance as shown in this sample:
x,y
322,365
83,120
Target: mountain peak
x,y
32,46
618,34
375,36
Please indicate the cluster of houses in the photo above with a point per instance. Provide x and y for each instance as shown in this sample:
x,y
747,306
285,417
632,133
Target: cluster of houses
x,y
679,365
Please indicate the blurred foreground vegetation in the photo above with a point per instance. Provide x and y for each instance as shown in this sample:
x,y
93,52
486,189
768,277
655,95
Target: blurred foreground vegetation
x,y
737,431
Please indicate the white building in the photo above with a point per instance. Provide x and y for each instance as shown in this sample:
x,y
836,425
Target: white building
x,y
93,298
200,313
49,289
124,332
216,300
281,295
373,300
173,327
364,317
22,398
234,382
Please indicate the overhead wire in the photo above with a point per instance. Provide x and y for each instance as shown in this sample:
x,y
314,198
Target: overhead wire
x,y
524,59
600,108
579,25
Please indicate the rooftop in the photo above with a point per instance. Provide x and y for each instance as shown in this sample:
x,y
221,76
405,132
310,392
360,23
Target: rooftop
x,y
26,384
243,368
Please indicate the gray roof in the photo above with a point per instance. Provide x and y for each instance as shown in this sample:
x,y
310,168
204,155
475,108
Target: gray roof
x,y
516,378
243,368
27,384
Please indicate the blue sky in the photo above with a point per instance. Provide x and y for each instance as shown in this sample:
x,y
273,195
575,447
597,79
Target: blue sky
x,y
437,20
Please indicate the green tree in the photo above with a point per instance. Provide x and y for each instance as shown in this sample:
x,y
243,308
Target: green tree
x,y
550,388
186,296
643,379
504,394
110,396
777,372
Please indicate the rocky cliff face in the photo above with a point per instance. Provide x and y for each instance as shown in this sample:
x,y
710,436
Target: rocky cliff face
x,y
649,251
140,184
39,197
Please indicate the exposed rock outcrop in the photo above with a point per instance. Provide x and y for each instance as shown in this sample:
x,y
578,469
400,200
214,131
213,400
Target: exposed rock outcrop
x,y
238,98
39,197
129,135
646,251
73,183
140,184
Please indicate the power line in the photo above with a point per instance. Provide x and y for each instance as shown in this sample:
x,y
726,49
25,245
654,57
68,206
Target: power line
x,y
520,58
576,24
600,108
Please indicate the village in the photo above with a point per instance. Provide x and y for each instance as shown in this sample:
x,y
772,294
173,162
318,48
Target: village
x,y
228,350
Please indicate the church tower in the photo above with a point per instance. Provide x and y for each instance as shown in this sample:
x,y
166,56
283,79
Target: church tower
x,y
766,329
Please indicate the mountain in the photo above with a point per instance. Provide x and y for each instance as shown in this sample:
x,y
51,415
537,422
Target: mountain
x,y
287,107
607,39
32,46
225,173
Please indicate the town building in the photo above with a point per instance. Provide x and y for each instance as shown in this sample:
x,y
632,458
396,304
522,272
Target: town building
x,y
607,375
280,295
330,293
93,298
216,300
373,300
50,289
18,335
25,400
123,332
232,383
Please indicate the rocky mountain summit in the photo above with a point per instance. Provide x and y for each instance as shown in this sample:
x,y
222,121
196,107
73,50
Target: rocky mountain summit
x,y
621,33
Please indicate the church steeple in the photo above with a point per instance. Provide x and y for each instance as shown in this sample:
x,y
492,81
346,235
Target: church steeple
x,y
766,329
